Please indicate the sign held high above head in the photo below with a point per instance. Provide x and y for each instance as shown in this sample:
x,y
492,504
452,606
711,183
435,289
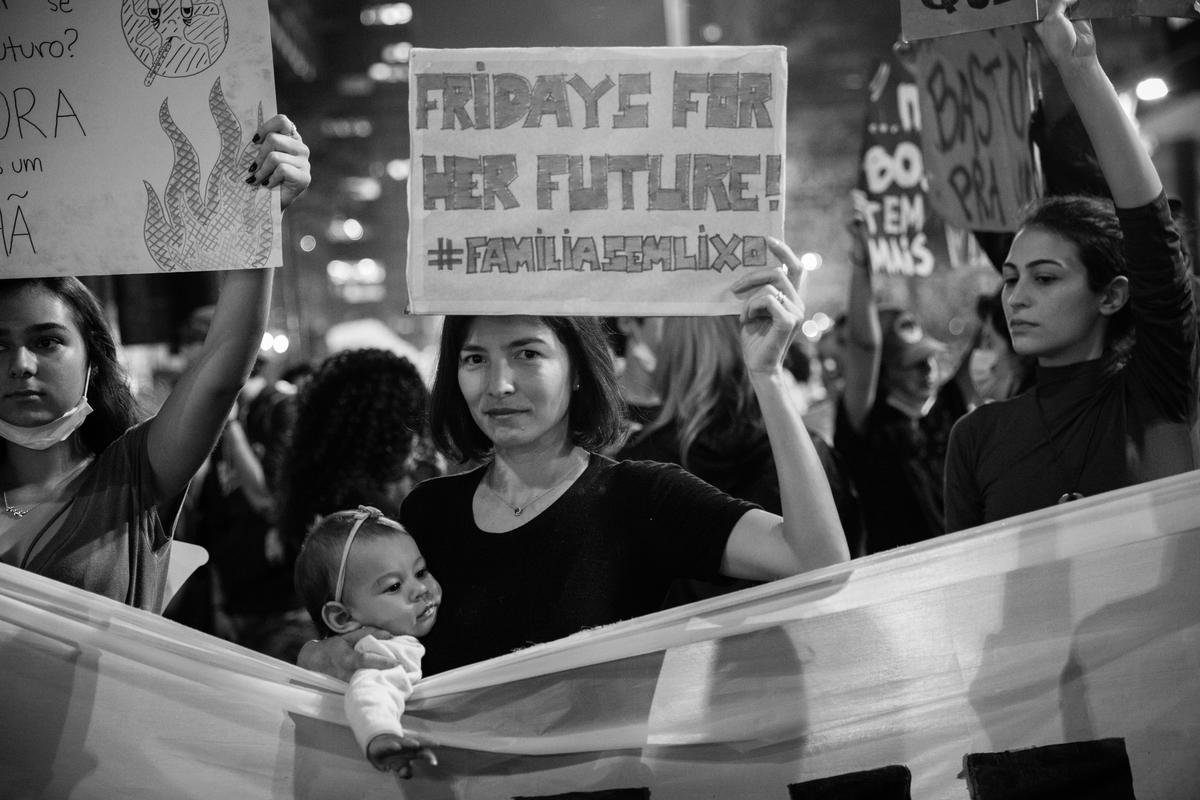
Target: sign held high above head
x,y
597,181
125,137
925,19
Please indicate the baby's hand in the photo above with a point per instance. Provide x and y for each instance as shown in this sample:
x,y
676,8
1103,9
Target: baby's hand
x,y
389,752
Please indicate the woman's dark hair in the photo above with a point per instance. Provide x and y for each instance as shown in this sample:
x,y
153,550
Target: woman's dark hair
x,y
113,408
1091,224
353,438
596,416
989,309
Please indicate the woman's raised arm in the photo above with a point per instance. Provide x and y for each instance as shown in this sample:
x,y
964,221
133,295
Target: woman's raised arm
x,y
1126,165
809,535
187,426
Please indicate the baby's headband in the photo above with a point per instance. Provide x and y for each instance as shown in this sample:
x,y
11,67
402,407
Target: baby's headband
x,y
361,515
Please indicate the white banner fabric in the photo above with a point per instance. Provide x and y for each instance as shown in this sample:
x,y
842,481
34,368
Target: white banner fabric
x,y
1069,624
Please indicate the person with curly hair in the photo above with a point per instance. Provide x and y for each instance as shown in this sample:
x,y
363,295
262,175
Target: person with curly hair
x,y
360,438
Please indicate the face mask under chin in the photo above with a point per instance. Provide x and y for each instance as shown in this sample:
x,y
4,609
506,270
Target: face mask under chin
x,y
45,436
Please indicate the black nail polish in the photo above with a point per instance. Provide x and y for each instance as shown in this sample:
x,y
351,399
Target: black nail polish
x,y
250,180
254,167
256,139
264,181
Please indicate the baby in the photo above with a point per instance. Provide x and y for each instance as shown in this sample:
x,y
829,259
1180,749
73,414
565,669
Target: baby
x,y
359,568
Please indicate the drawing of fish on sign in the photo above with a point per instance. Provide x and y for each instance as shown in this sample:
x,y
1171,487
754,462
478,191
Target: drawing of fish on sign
x,y
228,225
175,38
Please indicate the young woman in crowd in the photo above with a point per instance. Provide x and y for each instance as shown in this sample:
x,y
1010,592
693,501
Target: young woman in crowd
x,y
90,494
548,537
1102,298
709,424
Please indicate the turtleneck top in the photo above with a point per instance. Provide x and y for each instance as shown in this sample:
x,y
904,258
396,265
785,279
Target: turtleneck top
x,y
1097,425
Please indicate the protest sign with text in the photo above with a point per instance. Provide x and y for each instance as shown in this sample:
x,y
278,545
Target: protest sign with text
x,y
596,181
125,137
976,108
905,236
925,19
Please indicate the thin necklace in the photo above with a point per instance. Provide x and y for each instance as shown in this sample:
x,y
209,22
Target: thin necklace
x,y
518,510
14,510
17,512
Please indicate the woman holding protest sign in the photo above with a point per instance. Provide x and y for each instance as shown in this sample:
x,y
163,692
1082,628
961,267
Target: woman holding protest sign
x,y
1101,297
90,494
547,537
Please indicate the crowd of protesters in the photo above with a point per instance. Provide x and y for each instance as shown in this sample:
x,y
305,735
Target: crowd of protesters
x,y
551,490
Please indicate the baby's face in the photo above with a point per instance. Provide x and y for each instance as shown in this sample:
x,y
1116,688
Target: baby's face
x,y
389,587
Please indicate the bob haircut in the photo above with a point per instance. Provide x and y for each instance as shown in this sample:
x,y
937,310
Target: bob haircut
x,y
114,409
596,418
1091,224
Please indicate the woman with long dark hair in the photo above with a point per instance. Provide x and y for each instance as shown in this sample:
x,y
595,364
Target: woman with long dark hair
x,y
90,495
1101,297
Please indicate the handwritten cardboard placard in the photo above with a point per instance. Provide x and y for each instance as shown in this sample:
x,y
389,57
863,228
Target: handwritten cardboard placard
x,y
124,133
905,236
890,197
925,19
594,181
976,106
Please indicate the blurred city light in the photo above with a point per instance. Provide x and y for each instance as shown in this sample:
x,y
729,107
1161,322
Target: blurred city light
x,y
363,271
308,243
811,261
387,73
811,329
362,189
397,52
347,127
1152,89
281,343
398,169
387,14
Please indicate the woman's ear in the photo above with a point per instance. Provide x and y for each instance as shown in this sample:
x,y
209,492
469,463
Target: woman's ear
x,y
338,617
1115,296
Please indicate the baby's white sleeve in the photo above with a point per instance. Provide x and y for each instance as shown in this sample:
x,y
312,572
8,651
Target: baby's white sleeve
x,y
375,698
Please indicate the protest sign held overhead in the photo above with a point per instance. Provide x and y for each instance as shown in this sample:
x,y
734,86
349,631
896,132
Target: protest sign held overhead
x,y
125,137
976,108
904,235
592,180
924,19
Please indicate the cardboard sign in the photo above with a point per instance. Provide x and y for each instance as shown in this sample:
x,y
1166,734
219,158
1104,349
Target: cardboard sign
x,y
924,19
976,106
124,137
904,234
597,181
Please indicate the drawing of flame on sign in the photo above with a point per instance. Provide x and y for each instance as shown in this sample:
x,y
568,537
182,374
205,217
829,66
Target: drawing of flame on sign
x,y
175,38
229,226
